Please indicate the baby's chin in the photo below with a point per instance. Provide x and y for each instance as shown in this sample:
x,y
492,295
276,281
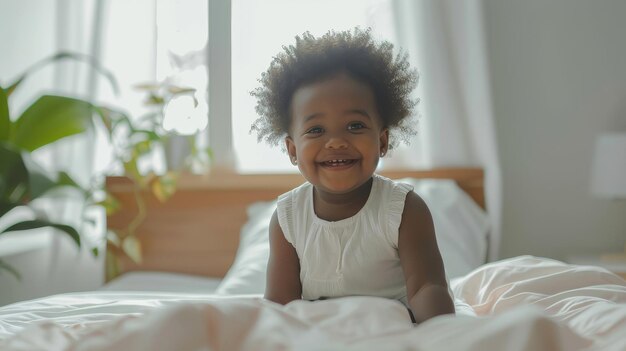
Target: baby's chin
x,y
339,187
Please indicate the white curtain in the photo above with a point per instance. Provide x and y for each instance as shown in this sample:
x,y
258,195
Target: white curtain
x,y
78,27
445,40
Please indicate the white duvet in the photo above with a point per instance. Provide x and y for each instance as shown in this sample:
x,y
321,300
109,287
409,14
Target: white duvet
x,y
525,303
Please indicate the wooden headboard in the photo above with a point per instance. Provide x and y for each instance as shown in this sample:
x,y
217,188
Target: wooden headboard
x,y
197,230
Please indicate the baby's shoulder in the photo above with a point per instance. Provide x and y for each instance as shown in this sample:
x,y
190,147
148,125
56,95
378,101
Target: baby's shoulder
x,y
414,202
296,199
391,191
300,190
388,184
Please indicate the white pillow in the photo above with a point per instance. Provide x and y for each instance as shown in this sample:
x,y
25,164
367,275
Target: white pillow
x,y
247,274
461,227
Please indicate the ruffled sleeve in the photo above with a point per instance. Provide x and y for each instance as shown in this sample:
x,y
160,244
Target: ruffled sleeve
x,y
395,208
284,209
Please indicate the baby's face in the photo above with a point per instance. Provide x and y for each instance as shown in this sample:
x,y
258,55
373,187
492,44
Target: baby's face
x,y
336,134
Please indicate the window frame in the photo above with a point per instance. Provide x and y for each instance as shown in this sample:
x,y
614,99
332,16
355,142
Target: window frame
x,y
220,87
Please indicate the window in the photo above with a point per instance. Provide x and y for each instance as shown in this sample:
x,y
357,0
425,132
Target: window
x,y
259,30
149,42
225,44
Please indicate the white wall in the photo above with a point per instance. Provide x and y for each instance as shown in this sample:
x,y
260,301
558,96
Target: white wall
x,y
558,72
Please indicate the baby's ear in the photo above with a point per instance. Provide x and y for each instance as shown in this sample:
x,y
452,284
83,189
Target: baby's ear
x,y
291,150
384,141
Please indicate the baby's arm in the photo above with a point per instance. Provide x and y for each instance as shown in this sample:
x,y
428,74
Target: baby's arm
x,y
427,289
283,269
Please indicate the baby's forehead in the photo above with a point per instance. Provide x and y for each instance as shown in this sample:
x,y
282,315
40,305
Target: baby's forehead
x,y
326,86
337,86
336,76
333,96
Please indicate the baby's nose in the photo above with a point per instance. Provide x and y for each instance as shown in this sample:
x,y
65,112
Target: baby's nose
x,y
335,142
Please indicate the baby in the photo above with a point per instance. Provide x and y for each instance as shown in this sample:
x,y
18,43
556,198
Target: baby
x,y
340,102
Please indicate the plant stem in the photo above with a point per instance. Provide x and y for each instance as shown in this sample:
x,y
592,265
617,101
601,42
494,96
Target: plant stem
x,y
141,212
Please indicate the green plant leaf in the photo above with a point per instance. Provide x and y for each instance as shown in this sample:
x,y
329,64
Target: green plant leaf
x,y
91,61
5,119
176,90
132,171
5,207
164,187
149,86
111,118
13,86
112,265
110,203
61,56
65,180
141,148
113,238
132,247
106,117
39,183
151,135
13,174
40,223
154,99
49,119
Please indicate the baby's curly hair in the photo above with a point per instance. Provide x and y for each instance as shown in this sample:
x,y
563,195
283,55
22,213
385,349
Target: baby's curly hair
x,y
312,59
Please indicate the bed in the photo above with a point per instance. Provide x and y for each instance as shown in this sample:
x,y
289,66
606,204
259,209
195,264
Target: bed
x,y
200,285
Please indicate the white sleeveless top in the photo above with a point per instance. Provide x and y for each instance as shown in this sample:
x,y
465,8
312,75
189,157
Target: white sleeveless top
x,y
353,256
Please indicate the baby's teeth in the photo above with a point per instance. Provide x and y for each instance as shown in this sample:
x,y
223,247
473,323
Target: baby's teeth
x,y
335,162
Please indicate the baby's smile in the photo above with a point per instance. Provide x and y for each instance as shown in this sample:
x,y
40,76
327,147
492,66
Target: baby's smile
x,y
338,163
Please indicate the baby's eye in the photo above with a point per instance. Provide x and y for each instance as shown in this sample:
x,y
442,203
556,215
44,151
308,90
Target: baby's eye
x,y
356,126
314,130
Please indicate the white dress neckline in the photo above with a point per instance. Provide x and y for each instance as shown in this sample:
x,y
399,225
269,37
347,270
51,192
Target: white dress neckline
x,y
346,221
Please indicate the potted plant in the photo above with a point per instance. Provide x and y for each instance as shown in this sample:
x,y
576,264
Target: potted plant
x,y
53,117
133,139
48,119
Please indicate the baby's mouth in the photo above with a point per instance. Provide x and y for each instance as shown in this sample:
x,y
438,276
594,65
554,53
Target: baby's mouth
x,y
337,163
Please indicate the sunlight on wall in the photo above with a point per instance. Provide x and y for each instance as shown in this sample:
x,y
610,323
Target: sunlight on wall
x,y
182,37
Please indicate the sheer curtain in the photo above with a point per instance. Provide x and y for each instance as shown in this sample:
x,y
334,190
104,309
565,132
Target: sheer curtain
x,y
445,40
139,42
39,29
78,28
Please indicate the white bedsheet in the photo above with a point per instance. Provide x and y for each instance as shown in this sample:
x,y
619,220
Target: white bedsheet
x,y
525,303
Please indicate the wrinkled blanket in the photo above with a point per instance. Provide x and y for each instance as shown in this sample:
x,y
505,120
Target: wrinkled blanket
x,y
524,303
